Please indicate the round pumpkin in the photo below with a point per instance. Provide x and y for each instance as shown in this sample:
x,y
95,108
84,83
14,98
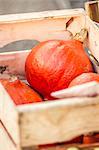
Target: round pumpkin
x,y
84,78
52,65
20,92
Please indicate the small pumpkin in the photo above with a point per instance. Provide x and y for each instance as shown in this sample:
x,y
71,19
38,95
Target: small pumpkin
x,y
61,146
20,92
90,139
84,78
52,65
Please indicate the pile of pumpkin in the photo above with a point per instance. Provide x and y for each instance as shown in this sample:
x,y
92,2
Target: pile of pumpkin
x,y
51,66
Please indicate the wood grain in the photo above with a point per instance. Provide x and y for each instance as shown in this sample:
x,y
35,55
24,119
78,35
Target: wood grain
x,y
58,121
93,37
5,141
32,25
9,115
15,62
41,15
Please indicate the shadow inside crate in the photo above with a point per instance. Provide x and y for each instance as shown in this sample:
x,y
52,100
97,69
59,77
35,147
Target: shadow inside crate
x,y
19,45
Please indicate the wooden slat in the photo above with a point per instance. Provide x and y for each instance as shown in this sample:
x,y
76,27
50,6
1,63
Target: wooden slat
x,y
36,30
58,121
33,29
32,25
41,15
9,115
5,141
93,37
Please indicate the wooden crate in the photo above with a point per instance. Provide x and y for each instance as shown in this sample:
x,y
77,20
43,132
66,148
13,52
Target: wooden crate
x,y
54,121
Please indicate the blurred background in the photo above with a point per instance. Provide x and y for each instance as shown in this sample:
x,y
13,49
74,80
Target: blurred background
x,y
24,6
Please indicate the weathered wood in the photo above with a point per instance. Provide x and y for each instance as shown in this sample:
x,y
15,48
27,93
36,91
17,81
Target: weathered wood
x,y
92,9
41,15
93,37
9,115
58,121
15,62
5,141
33,25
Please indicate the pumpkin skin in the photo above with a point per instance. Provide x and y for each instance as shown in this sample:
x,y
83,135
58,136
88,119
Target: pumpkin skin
x,y
52,65
84,78
20,92
90,139
61,146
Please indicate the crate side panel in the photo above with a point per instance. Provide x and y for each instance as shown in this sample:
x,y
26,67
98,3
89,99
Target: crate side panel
x,y
93,37
58,123
14,63
35,29
9,115
39,26
5,141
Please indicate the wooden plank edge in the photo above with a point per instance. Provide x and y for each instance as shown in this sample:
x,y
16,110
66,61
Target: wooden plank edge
x,y
5,142
40,15
58,128
9,115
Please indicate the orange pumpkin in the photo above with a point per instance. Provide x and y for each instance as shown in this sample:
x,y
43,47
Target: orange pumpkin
x,y
84,78
61,146
90,139
20,92
52,65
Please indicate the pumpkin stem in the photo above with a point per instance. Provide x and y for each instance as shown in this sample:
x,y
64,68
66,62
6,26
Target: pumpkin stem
x,y
89,134
82,35
13,78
